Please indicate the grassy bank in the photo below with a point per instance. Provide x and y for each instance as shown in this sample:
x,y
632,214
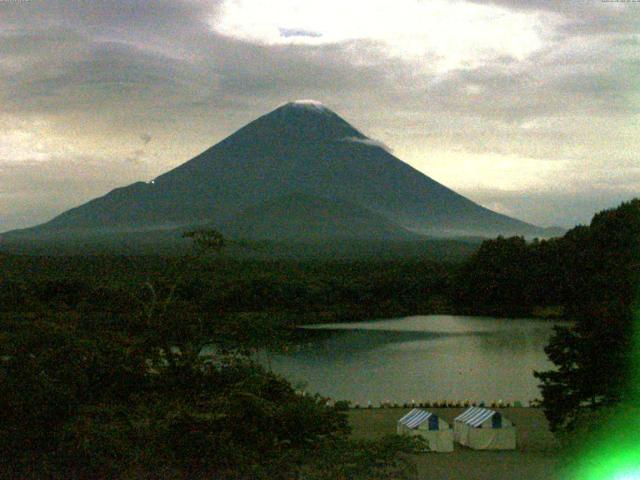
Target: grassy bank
x,y
536,456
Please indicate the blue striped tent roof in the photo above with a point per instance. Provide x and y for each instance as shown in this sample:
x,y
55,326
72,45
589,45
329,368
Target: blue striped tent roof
x,y
475,416
416,417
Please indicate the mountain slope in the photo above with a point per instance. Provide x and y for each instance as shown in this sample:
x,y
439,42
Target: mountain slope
x,y
299,147
299,217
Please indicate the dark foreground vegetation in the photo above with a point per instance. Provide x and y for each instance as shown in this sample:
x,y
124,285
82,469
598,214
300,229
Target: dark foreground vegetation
x,y
102,374
597,358
113,383
77,403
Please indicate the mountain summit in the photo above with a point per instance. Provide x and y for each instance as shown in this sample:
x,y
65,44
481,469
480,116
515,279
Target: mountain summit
x,y
299,152
305,121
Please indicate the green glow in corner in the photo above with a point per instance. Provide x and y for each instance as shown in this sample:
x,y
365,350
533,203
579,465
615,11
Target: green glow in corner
x,y
628,476
613,453
617,462
622,467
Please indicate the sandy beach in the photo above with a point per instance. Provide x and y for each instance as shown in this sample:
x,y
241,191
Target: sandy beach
x,y
536,456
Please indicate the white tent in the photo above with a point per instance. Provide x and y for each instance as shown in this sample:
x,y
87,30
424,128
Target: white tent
x,y
483,429
436,432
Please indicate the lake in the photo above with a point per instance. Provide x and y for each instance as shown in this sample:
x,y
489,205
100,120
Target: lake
x,y
421,358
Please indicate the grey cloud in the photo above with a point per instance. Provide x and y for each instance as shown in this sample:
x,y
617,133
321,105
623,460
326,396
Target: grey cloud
x,y
117,18
580,84
296,32
108,73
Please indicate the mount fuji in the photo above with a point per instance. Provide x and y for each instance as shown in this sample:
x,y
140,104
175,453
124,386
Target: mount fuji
x,y
300,171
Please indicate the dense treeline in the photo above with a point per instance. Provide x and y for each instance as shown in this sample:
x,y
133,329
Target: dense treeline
x,y
592,274
506,277
595,359
509,276
307,291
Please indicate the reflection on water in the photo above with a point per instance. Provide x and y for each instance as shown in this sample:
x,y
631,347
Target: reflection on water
x,y
422,358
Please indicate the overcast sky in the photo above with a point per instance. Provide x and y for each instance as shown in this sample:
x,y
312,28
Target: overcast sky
x,y
529,107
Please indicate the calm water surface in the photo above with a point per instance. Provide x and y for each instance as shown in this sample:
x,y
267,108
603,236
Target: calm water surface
x,y
421,358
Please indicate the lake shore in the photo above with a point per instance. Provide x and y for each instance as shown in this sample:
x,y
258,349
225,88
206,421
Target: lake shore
x,y
536,457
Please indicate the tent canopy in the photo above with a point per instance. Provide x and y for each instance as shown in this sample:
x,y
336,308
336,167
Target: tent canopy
x,y
437,433
483,429
417,417
477,416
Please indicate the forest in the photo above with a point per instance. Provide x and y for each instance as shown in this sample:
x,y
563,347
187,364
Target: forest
x,y
102,373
